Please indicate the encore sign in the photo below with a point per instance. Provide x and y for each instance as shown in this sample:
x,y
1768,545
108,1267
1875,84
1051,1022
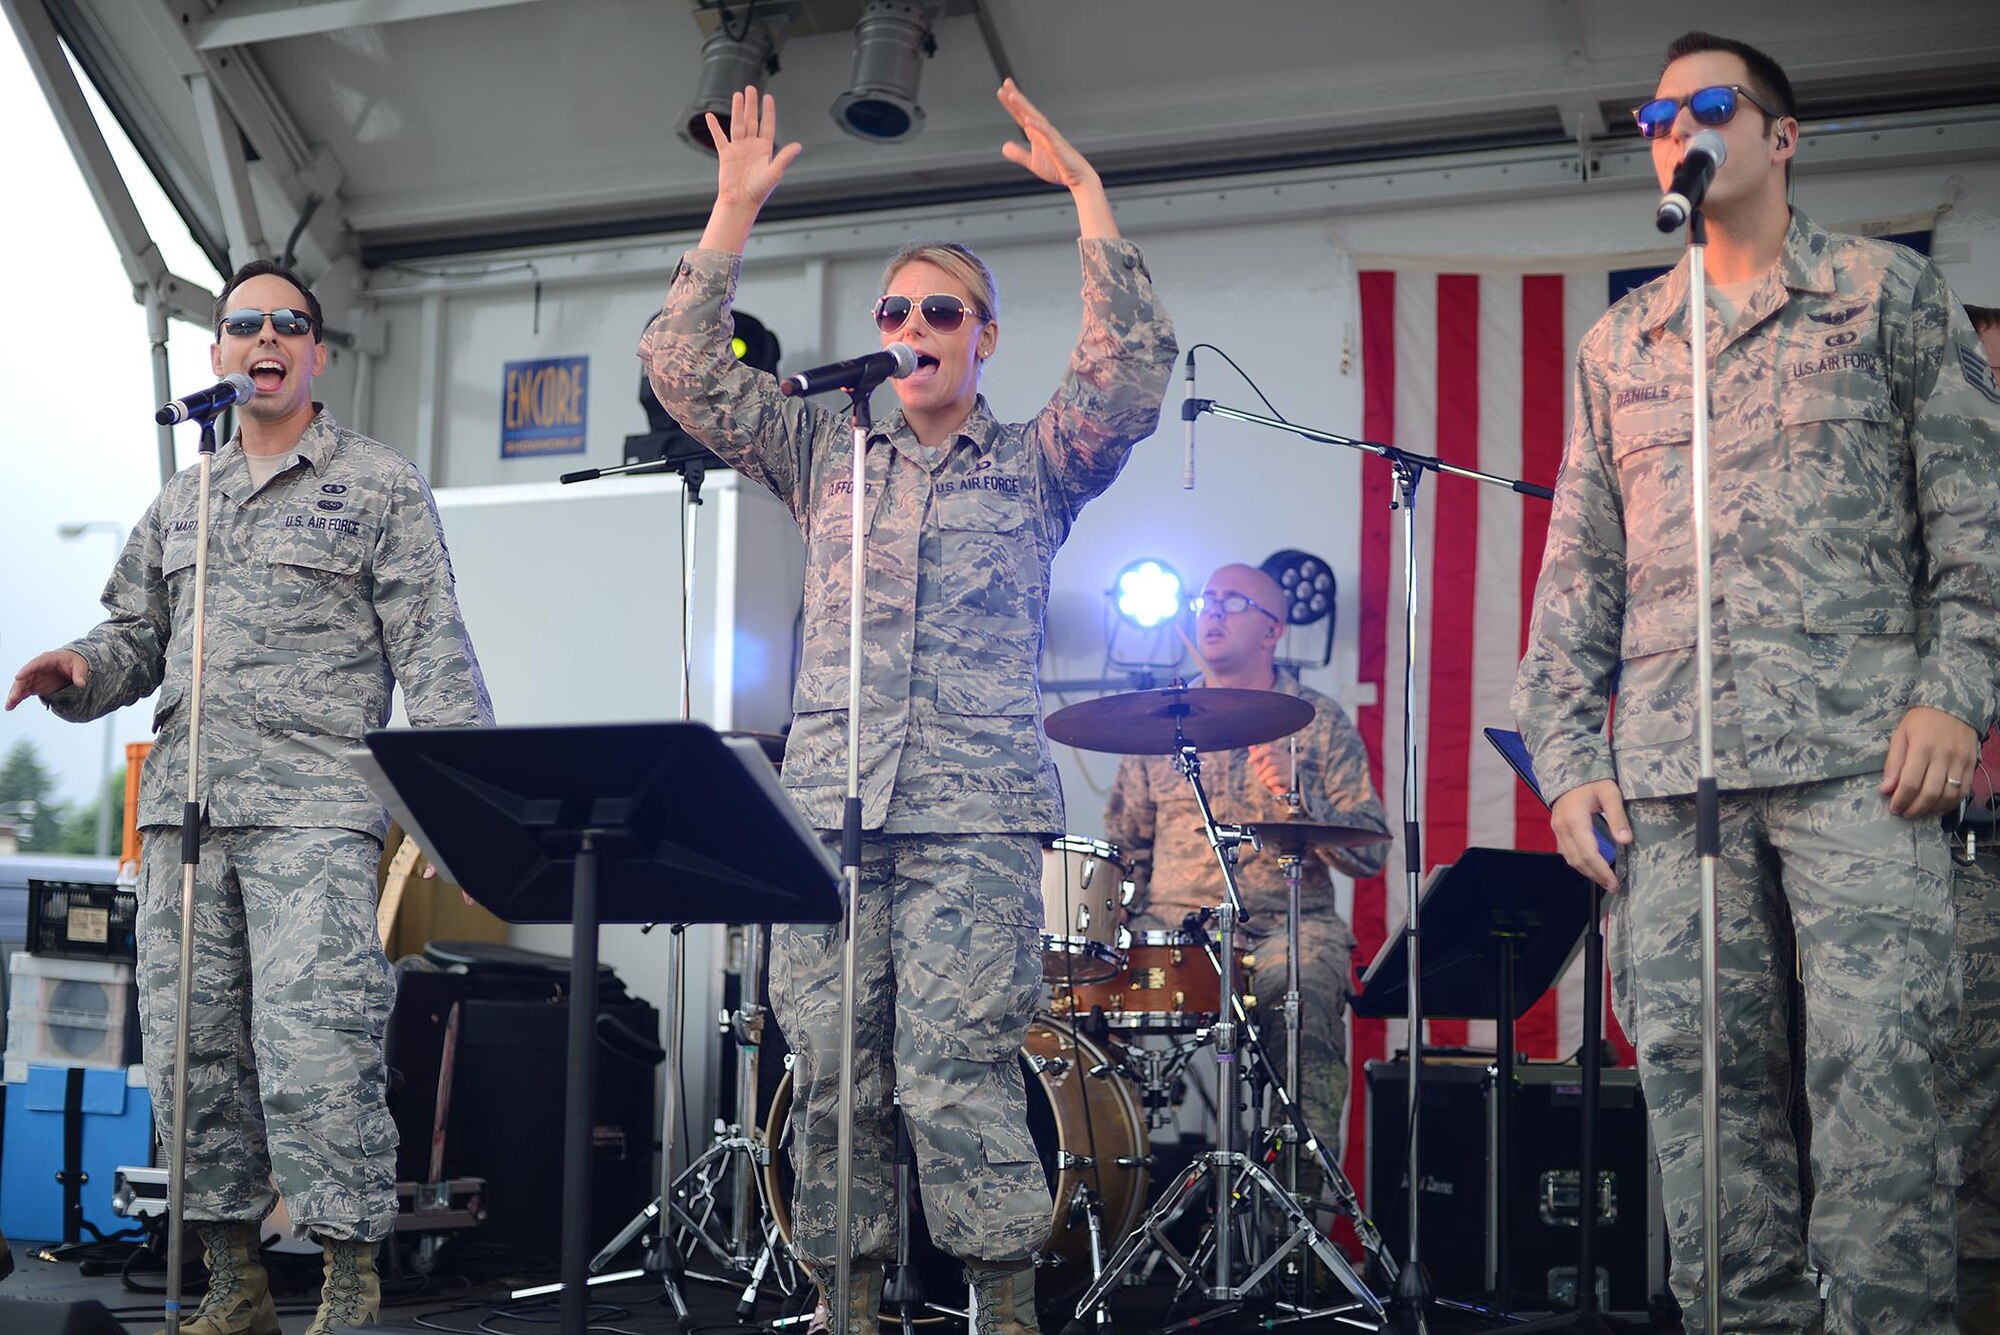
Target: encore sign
x,y
542,407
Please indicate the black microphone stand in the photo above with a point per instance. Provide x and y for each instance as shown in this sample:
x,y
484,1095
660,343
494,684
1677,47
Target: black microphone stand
x,y
1414,1296
692,470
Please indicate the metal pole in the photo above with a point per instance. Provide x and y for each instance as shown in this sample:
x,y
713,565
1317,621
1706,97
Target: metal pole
x,y
1708,841
850,857
190,864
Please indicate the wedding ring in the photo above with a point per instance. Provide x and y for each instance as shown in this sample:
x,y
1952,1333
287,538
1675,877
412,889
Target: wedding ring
x,y
1953,783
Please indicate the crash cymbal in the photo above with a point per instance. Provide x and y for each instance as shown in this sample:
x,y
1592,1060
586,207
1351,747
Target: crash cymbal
x,y
1297,836
1160,722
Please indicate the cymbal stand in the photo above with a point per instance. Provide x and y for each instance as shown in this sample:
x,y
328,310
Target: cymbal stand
x,y
1414,1296
1228,1173
738,1154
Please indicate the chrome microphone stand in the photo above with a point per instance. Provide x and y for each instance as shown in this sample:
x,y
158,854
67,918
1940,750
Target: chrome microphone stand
x,y
1708,812
190,864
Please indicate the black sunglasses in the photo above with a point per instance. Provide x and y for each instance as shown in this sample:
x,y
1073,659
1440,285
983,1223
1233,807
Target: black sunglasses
x,y
941,311
1714,105
248,323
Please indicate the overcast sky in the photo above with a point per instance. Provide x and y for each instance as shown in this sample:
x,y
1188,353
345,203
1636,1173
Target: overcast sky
x,y
76,391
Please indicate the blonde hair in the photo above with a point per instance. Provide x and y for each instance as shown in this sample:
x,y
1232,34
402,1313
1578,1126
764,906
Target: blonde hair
x,y
965,267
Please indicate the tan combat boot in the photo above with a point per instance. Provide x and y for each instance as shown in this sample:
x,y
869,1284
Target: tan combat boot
x,y
1004,1293
352,1295
864,1304
238,1301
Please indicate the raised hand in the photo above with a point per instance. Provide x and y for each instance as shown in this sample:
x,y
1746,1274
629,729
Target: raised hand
x,y
748,166
1053,158
1047,154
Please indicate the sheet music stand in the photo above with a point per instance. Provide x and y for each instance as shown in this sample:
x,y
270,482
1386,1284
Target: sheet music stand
x,y
620,823
1499,928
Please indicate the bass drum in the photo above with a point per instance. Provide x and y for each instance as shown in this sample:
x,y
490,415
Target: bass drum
x,y
1072,1115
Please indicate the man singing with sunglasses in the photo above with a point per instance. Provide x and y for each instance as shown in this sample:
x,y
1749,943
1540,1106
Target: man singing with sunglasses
x,y
1319,773
957,784
1856,501
327,584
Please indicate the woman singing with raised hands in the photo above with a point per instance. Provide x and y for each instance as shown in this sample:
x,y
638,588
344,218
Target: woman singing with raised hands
x,y
964,515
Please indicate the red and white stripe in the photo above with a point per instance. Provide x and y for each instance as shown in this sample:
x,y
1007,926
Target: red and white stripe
x,y
1475,369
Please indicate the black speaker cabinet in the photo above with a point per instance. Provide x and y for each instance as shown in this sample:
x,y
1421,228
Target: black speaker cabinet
x,y
506,1118
1461,1215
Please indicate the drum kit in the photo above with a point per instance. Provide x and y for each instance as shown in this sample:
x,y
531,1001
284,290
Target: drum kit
x,y
1127,1014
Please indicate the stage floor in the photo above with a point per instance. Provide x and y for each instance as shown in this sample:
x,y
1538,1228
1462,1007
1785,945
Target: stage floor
x,y
452,1302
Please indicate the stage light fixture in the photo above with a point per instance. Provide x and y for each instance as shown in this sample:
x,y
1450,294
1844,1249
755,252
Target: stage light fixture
x,y
891,41
1147,593
1310,595
731,58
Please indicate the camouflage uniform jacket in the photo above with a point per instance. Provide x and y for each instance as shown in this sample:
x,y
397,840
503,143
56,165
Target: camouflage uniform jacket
x,y
960,537
1151,815
324,587
1856,529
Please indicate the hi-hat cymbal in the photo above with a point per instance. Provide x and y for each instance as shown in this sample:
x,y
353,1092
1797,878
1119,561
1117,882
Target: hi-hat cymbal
x,y
1160,722
1293,837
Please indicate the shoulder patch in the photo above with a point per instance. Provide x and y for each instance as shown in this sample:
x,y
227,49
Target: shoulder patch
x,y
1978,372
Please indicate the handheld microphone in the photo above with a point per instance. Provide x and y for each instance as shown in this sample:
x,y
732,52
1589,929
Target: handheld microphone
x,y
1704,156
1187,427
227,393
891,363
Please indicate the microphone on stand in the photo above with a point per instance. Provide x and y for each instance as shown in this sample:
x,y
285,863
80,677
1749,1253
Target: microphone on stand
x,y
226,393
891,363
1187,427
1704,156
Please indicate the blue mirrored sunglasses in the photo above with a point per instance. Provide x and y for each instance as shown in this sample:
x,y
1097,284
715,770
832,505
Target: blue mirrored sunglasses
x,y
1715,105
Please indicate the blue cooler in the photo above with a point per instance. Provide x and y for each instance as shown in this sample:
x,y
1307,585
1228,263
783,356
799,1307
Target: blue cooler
x,y
67,1132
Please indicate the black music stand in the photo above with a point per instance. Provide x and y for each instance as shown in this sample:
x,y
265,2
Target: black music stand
x,y
1499,928
620,823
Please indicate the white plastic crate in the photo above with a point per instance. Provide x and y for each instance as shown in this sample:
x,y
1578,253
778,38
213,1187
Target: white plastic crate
x,y
65,1012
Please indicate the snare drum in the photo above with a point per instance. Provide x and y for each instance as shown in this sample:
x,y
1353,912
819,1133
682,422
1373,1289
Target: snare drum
x,y
1084,885
1168,985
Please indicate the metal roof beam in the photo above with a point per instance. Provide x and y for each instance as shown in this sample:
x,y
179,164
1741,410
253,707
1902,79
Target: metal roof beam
x,y
223,142
152,281
243,22
285,160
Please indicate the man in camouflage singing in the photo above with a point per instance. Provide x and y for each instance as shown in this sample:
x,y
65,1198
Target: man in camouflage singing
x,y
1856,498
328,583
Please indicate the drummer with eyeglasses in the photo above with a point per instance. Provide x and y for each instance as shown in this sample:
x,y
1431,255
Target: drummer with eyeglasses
x,y
1318,774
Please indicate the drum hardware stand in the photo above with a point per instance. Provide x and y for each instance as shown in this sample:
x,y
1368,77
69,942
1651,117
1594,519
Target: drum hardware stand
x,y
1414,1297
1228,1172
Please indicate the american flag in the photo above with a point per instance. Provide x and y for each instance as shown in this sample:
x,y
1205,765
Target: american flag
x,y
1475,369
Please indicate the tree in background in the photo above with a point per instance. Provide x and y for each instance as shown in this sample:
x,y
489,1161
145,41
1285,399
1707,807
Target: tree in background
x,y
26,801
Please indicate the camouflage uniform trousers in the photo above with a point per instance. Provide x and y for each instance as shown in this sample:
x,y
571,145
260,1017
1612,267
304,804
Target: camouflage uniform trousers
x,y
949,977
290,998
1868,898
1969,1084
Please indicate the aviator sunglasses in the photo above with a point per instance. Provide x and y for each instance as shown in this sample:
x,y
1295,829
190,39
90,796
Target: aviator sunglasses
x,y
1715,105
248,323
941,311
